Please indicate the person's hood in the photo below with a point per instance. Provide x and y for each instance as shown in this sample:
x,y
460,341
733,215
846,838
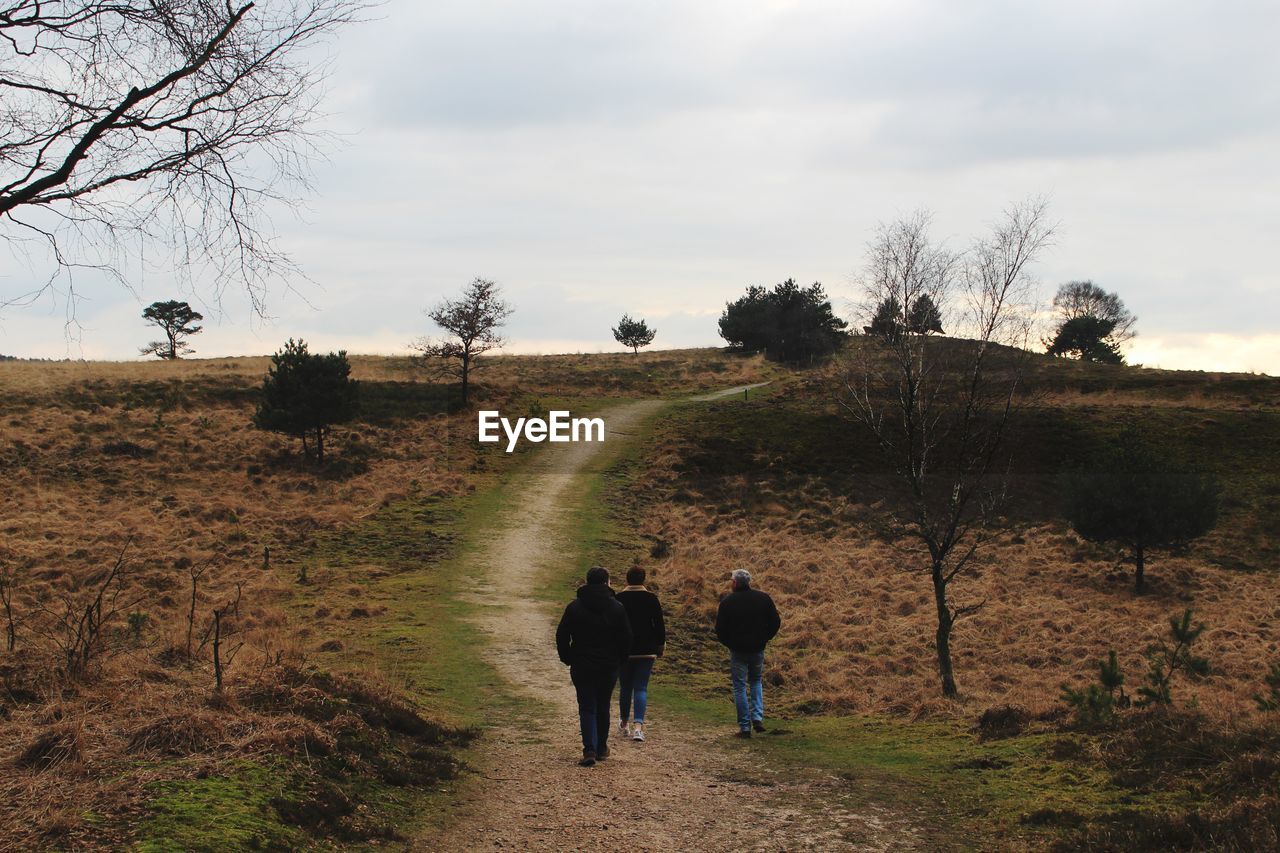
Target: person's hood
x,y
596,596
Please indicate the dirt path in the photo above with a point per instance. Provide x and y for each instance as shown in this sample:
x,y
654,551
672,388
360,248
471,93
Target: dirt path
x,y
684,789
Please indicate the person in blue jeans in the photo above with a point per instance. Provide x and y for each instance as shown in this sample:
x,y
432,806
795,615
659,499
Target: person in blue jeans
x,y
593,639
648,637
745,623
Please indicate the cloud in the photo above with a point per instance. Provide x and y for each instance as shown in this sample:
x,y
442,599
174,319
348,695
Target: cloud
x,y
491,64
602,157
1213,352
987,81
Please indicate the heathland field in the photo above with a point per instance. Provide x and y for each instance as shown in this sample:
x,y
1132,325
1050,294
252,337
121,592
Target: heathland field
x,y
155,543
139,500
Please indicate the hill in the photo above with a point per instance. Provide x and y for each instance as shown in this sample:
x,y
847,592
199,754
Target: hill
x,y
788,486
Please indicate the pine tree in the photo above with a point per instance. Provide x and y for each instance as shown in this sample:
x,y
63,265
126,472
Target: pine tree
x,y
1132,494
304,394
1171,656
176,320
1096,704
888,322
633,333
1088,339
924,316
789,323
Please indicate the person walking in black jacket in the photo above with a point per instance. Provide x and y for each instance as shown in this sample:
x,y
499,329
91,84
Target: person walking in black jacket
x,y
745,623
593,639
648,636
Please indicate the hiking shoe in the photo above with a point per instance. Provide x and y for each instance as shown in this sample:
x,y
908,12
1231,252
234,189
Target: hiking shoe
x,y
638,736
588,759
758,725
744,733
602,753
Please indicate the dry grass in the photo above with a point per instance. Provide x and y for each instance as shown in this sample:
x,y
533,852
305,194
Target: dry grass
x,y
136,731
790,491
159,461
655,373
858,622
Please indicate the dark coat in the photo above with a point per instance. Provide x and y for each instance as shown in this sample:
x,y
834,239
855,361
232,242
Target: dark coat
x,y
594,633
648,629
747,621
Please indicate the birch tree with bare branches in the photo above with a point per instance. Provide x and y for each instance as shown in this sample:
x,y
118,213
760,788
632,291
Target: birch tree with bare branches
x,y
157,127
939,408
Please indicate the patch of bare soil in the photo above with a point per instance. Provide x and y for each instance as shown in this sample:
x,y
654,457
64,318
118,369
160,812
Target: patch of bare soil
x,y
686,788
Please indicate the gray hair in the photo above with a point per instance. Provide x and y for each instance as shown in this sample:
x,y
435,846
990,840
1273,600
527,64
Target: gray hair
x,y
742,577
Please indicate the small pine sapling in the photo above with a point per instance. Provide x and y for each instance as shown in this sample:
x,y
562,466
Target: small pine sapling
x,y
137,622
1170,656
1095,705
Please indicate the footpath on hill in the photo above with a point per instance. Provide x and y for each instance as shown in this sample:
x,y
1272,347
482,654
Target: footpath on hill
x,y
686,788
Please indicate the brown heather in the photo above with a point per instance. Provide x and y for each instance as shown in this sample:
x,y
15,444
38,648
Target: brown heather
x,y
159,462
788,489
858,624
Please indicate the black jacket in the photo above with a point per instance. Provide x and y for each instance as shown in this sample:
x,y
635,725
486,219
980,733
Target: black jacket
x,y
747,620
648,630
594,632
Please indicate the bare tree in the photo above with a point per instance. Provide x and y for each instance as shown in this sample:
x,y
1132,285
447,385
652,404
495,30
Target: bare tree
x,y
132,124
195,572
77,627
219,635
939,408
473,323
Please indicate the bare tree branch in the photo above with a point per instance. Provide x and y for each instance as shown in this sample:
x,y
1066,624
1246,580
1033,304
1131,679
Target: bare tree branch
x,y
134,124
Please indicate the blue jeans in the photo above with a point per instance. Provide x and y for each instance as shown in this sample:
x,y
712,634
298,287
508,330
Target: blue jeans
x,y
633,683
744,671
595,690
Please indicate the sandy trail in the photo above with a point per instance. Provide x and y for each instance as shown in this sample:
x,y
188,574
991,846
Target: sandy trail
x,y
684,789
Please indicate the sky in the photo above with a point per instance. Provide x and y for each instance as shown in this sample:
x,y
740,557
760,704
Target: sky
x,y
600,157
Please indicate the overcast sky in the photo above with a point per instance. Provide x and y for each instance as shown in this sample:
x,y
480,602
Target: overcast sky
x,y
657,158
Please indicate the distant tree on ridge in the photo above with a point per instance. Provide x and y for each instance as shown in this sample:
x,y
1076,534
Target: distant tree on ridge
x,y
633,333
1091,325
789,323
176,320
473,323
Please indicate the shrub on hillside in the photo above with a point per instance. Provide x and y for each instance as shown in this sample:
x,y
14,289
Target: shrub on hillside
x,y
1096,703
1088,339
789,323
1133,494
306,393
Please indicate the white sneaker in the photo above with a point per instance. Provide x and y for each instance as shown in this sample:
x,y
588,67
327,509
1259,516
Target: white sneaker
x,y
638,737
624,728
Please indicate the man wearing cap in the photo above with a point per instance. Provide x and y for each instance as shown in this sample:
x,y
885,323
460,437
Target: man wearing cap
x,y
745,623
593,639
